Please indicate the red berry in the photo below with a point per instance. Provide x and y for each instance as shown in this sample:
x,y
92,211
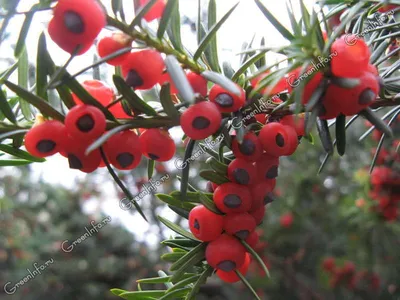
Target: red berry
x,y
373,70
329,264
143,69
123,150
352,101
262,118
349,267
252,239
201,120
267,167
350,56
240,225
261,193
111,44
250,149
232,198
225,253
274,139
76,22
198,83
258,214
297,122
75,152
104,94
293,140
45,139
278,88
294,79
157,144
286,220
156,11
231,277
242,172
227,101
204,224
85,122
388,7
330,109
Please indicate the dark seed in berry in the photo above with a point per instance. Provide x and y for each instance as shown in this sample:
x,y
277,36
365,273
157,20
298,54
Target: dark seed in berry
x,y
226,265
85,123
45,146
242,234
74,22
74,162
280,141
247,147
241,176
196,225
224,100
269,198
366,97
272,172
133,79
153,156
125,159
232,201
201,123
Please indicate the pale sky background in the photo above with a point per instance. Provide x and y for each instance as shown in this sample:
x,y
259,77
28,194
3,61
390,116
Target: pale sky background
x,y
245,21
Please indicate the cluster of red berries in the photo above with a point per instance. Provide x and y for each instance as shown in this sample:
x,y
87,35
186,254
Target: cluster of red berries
x,y
84,124
347,275
241,201
385,178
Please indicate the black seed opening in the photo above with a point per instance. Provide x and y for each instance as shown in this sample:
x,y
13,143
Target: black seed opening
x,y
45,146
125,159
196,224
268,198
241,176
232,201
280,140
242,234
74,162
366,97
74,22
85,123
201,123
272,172
226,265
153,156
224,100
133,79
247,147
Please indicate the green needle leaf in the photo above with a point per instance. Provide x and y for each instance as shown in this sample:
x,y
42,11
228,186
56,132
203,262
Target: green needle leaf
x,y
211,33
134,101
341,134
150,168
177,228
256,257
166,17
5,108
167,104
20,153
174,29
285,33
325,136
24,31
186,166
44,107
179,79
375,120
23,69
213,177
223,81
139,16
247,284
202,279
